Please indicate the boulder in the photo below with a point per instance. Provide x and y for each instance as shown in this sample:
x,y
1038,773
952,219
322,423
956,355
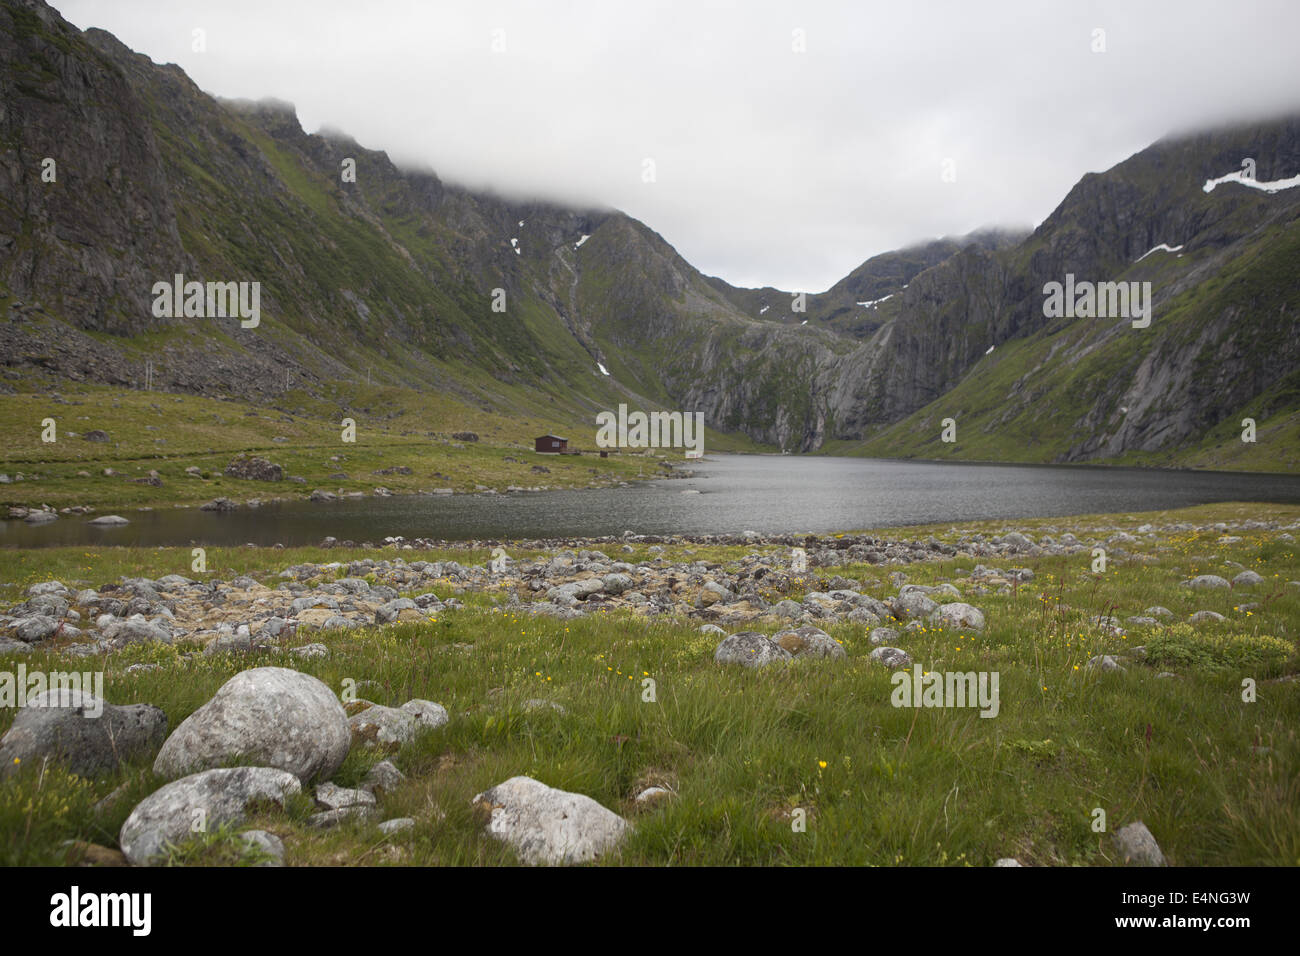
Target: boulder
x,y
788,608
1137,847
891,657
382,778
136,630
271,715
913,604
427,714
254,469
546,826
882,635
750,649
32,629
83,733
377,725
265,843
332,818
653,796
808,641
1247,579
1104,663
617,583
860,615
221,796
959,616
333,797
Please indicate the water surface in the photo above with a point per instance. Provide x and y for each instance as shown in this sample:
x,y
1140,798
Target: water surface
x,y
733,493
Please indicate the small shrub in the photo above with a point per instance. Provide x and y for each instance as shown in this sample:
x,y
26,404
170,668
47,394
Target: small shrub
x,y
1184,646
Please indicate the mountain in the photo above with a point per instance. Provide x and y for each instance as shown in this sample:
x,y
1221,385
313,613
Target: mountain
x,y
393,277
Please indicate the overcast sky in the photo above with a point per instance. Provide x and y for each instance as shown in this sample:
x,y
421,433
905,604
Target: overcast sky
x,y
772,166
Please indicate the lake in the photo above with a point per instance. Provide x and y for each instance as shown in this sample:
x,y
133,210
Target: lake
x,y
731,493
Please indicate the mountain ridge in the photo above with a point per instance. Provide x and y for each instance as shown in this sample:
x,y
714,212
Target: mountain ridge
x,y
396,276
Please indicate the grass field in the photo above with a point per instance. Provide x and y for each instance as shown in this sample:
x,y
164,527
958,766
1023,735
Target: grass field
x,y
395,428
1214,777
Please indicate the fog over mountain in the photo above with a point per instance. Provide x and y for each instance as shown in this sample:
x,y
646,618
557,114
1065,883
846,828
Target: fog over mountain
x,y
772,166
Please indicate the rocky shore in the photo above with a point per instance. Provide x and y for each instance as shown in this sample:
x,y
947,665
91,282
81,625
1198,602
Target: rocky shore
x,y
570,577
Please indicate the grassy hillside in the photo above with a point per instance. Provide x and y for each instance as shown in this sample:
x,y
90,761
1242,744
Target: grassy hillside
x,y
395,428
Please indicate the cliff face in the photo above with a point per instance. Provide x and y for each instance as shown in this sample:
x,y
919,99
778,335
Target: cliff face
x,y
396,275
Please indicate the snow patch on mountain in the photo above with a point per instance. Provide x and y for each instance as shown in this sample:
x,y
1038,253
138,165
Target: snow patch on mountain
x,y
1240,177
1163,247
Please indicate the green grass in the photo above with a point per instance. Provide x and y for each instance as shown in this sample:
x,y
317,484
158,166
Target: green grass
x,y
395,428
880,785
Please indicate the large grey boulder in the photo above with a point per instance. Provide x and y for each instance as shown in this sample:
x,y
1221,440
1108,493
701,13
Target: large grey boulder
x,y
81,732
273,716
750,649
546,826
212,798
1204,582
